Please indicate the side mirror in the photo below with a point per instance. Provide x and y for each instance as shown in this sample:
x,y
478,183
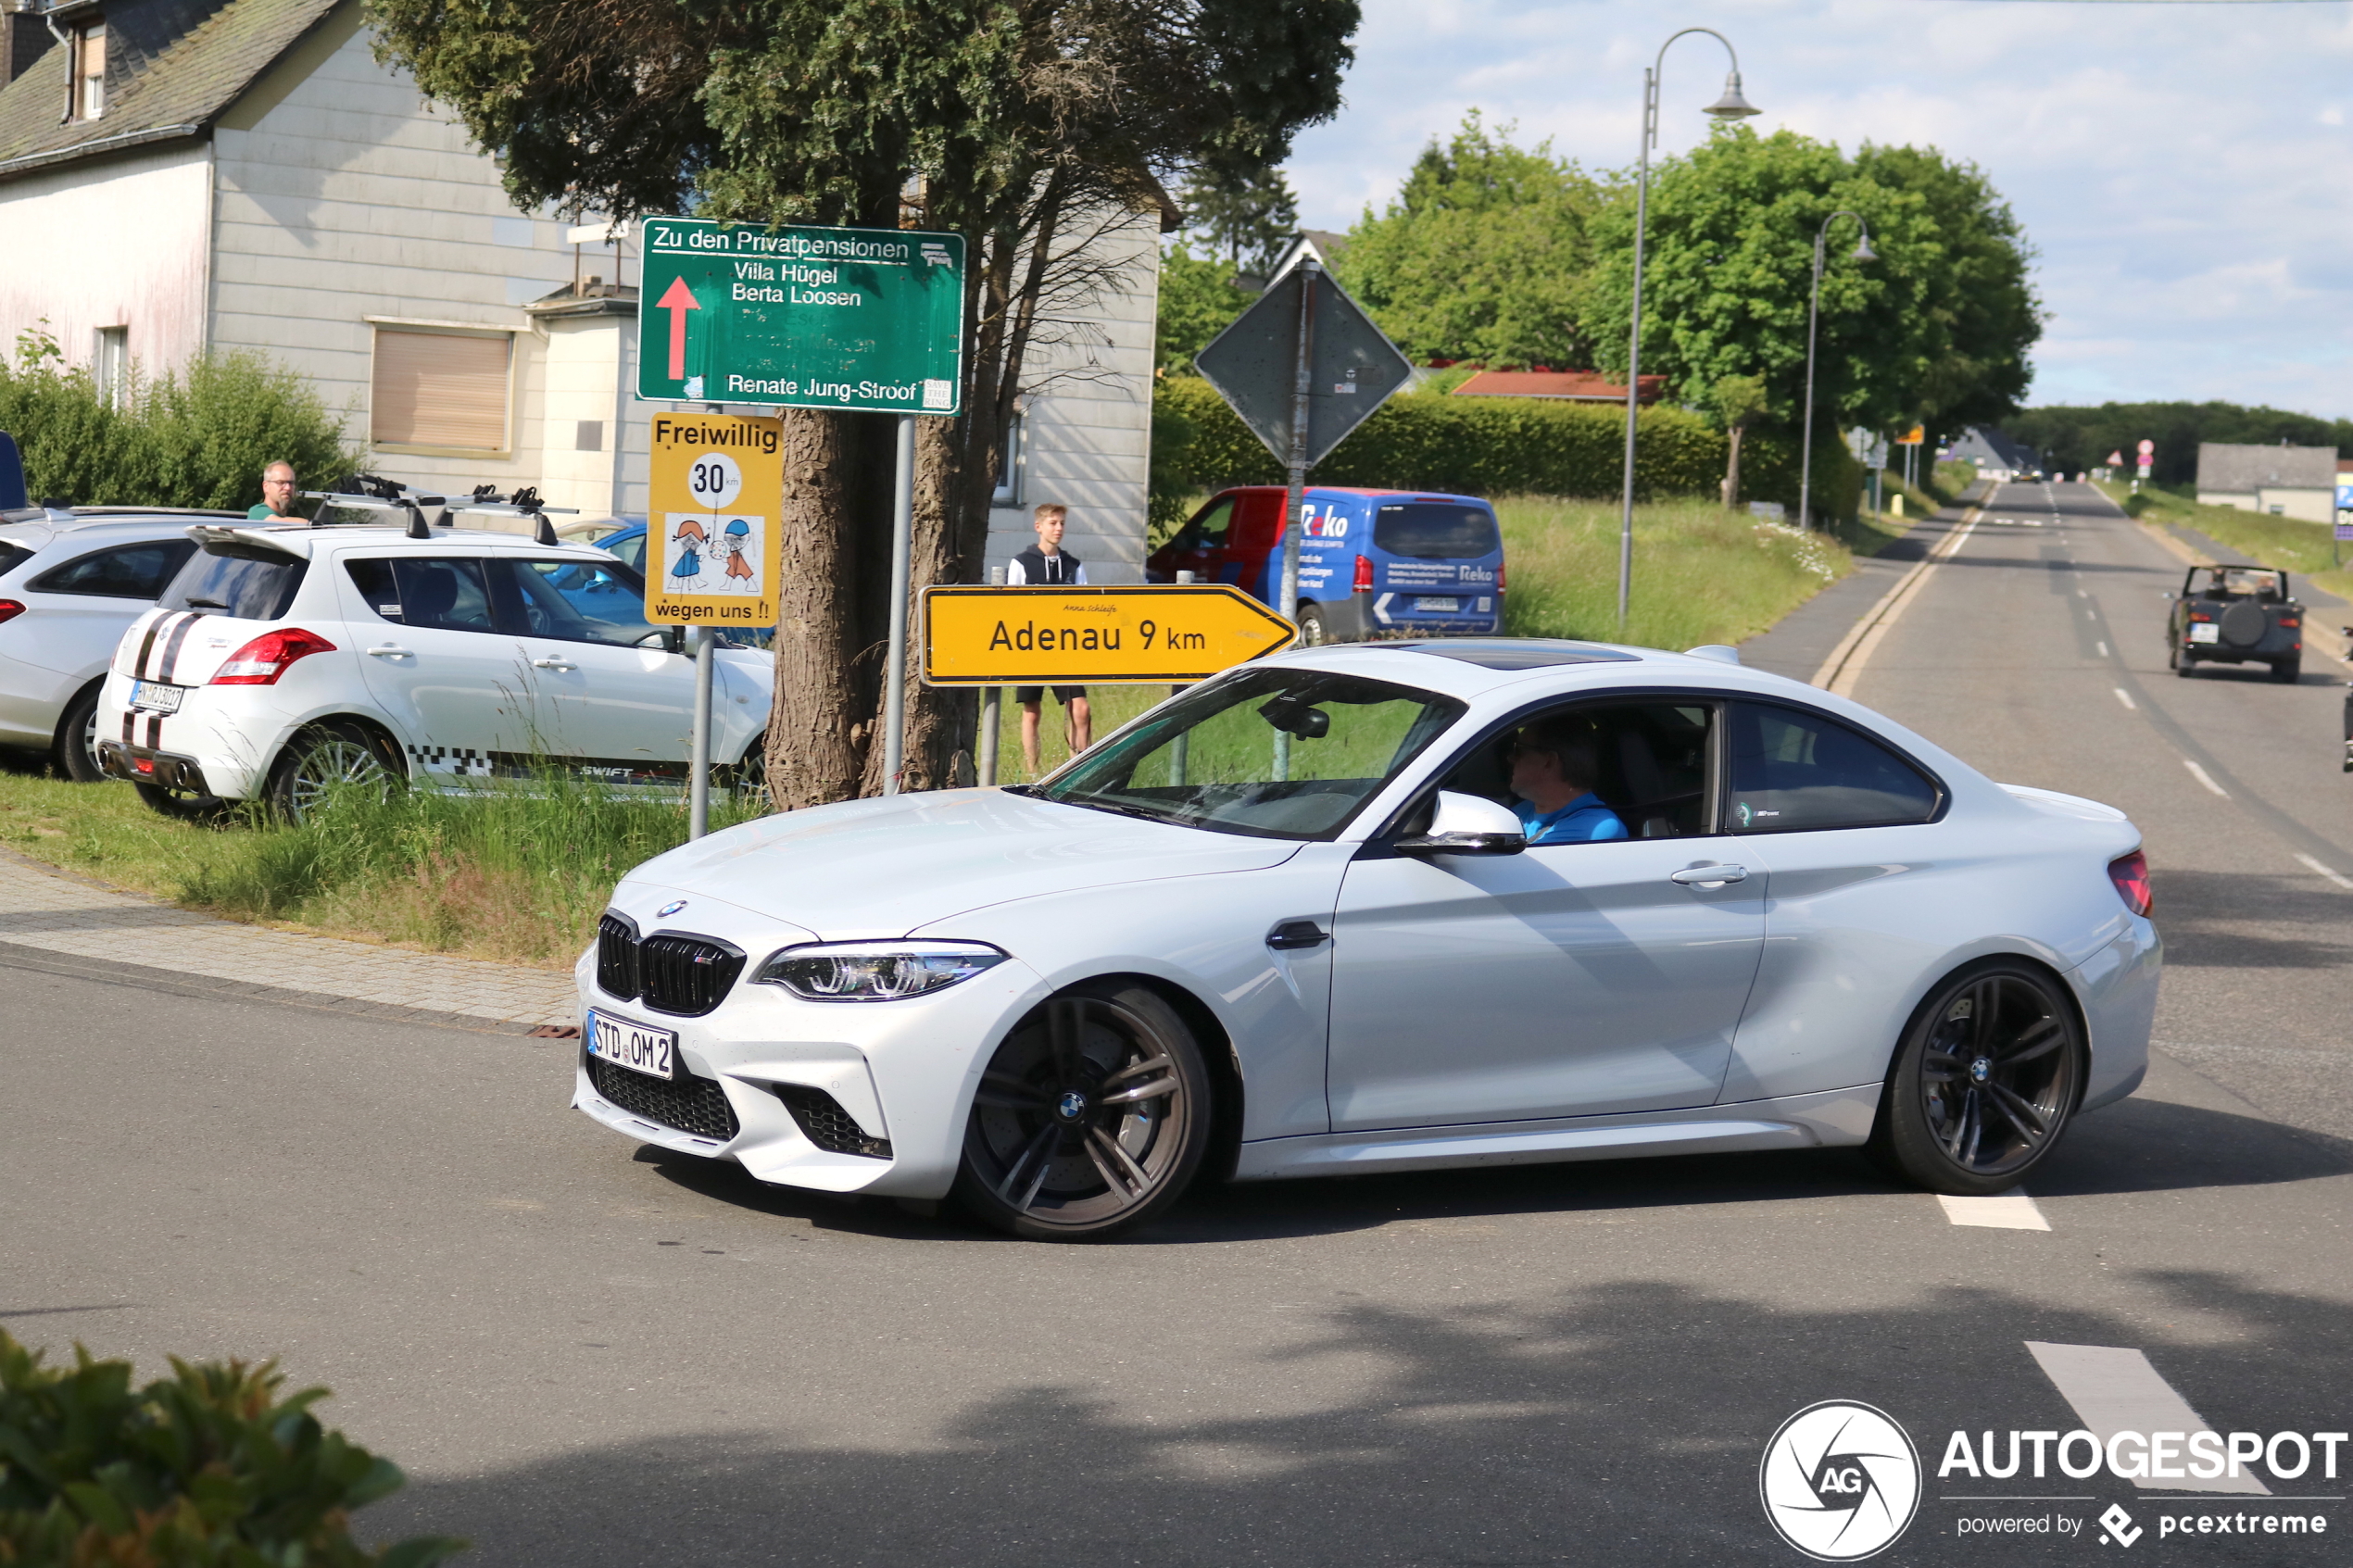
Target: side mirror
x,y
1467,825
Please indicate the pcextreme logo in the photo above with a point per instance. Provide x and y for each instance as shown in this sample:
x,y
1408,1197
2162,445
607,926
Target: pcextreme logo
x,y
1841,1481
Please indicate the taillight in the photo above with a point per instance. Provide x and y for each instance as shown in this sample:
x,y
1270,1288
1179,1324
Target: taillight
x,y
10,609
262,660
2131,874
2290,620
1499,577
1363,582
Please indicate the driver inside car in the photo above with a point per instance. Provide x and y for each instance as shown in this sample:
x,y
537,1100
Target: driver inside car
x,y
1554,770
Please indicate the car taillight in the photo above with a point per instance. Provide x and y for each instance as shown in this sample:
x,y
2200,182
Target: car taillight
x,y
2290,620
10,609
2131,874
1499,577
262,660
1363,582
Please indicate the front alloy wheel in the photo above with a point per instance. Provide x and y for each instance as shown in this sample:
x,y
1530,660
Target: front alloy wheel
x,y
1091,1119
1987,1079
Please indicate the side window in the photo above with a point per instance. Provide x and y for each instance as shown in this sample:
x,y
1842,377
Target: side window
x,y
1640,770
127,571
1207,530
631,553
446,596
582,602
1793,770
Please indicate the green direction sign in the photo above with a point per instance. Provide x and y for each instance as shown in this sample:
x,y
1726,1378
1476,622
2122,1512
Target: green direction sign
x,y
865,319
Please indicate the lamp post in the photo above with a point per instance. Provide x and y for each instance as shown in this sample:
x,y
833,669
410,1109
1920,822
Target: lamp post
x,y
1731,106
1813,312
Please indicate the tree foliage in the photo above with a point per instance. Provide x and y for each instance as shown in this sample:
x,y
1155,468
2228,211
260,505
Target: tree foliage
x,y
1199,298
2078,438
1250,215
1484,255
1936,329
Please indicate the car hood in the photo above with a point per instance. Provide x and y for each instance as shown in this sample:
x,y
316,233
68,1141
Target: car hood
x,y
886,867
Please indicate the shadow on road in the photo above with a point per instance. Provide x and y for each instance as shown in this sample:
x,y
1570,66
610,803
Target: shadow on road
x,y
2245,920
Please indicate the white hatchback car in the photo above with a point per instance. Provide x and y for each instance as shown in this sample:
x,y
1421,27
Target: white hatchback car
x,y
70,580
1287,923
288,656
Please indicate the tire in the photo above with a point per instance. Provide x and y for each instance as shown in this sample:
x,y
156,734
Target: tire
x,y
1984,1084
77,744
1091,1119
2286,671
1312,630
2184,663
325,758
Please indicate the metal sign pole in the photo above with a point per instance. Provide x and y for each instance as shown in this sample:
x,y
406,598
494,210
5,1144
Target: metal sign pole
x,y
698,765
902,544
1296,479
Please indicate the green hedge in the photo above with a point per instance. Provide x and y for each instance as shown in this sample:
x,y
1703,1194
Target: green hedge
x,y
1494,447
207,1468
195,437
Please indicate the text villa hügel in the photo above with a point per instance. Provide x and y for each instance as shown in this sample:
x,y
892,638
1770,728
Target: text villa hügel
x,y
756,283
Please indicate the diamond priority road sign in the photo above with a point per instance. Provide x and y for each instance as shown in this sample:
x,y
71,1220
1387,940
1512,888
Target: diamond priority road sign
x,y
1093,636
1351,367
808,318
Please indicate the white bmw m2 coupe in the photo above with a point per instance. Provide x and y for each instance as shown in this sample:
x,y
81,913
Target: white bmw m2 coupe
x,y
1288,924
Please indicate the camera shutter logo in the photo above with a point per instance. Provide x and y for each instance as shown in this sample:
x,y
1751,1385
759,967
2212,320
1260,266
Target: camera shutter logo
x,y
1839,1481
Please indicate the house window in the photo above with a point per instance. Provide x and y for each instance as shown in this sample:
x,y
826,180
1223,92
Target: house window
x,y
89,71
440,390
110,365
1009,457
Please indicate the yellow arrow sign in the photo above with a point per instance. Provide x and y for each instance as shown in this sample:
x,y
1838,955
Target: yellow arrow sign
x,y
1076,636
1916,436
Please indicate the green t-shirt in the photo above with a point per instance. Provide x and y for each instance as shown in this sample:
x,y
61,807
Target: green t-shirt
x,y
260,512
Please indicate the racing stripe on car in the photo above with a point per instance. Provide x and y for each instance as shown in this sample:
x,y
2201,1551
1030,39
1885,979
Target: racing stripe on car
x,y
130,717
139,665
170,661
155,730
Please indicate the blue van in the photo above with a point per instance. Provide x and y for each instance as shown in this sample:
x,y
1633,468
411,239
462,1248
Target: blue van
x,y
1372,563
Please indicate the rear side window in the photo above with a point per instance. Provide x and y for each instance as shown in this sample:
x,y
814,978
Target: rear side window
x,y
12,556
127,571
257,587
1435,529
444,596
1793,770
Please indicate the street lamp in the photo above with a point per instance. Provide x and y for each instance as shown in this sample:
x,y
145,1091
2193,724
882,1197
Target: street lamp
x,y
1731,106
1863,252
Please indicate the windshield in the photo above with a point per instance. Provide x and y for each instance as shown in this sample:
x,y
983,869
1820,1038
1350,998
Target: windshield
x,y
2237,582
1269,753
1435,529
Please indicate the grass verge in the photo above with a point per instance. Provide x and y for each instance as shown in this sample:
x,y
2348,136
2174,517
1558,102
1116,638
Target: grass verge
x,y
518,877
2288,543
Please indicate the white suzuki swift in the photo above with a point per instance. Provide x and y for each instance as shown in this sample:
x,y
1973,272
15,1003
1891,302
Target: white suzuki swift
x,y
286,657
1288,924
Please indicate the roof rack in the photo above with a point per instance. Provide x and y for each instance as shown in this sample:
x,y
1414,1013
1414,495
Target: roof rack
x,y
368,492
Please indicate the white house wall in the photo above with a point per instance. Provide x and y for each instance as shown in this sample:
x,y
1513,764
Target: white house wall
x,y
118,243
343,197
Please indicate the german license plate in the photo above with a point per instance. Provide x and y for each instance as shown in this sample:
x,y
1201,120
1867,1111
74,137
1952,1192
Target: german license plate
x,y
1448,606
638,1047
2205,632
150,698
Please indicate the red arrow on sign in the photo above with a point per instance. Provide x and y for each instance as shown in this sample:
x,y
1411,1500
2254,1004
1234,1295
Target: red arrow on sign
x,y
677,299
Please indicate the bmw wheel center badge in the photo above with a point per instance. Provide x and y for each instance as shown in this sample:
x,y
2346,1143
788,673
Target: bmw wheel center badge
x,y
1839,1481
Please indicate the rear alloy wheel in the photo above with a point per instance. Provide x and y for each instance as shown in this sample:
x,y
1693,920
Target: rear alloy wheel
x,y
1988,1078
1091,1119
323,760
77,743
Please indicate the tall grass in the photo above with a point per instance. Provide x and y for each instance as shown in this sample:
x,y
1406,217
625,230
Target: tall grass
x,y
2288,543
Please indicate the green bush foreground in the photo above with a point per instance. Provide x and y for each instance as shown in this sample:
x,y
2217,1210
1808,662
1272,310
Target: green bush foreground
x,y
207,1468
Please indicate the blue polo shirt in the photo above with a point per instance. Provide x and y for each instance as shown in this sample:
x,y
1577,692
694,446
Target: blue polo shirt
x,y
1583,821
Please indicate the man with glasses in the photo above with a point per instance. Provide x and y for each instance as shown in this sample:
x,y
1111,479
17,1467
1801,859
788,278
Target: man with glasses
x,y
1554,770
277,495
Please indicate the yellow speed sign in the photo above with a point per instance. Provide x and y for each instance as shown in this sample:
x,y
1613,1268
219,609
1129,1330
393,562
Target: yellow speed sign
x,y
1093,636
714,521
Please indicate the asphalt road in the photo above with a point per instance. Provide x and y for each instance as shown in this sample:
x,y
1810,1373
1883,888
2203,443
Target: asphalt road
x,y
588,1356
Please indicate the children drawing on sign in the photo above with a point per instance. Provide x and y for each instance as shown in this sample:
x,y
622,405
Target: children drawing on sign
x,y
691,542
735,543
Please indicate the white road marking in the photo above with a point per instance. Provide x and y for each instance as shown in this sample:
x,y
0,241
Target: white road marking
x,y
2091,615
2201,776
2082,592
2011,1210
2113,1389
2126,699
2343,882
2103,647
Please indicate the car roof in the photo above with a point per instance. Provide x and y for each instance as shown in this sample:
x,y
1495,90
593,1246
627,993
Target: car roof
x,y
38,530
1474,667
313,542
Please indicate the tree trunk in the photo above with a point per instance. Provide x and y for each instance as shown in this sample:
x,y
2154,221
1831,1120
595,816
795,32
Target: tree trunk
x,y
813,754
1733,469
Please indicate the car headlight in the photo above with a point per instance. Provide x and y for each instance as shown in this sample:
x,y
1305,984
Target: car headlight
x,y
875,971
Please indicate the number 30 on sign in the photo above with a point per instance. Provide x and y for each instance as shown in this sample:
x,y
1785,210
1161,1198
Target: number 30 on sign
x,y
714,520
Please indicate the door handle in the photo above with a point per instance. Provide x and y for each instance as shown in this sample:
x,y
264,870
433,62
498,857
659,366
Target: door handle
x,y
553,664
1294,936
388,650
1709,876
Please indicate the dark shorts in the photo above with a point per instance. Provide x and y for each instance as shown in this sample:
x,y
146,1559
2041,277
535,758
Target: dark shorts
x,y
1063,695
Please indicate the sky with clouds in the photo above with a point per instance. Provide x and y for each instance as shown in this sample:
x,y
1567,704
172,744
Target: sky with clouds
x,y
2181,168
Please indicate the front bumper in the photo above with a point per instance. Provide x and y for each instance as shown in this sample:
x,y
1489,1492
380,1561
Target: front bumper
x,y
904,1071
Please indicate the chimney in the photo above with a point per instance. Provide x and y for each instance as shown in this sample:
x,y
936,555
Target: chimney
x,y
23,38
